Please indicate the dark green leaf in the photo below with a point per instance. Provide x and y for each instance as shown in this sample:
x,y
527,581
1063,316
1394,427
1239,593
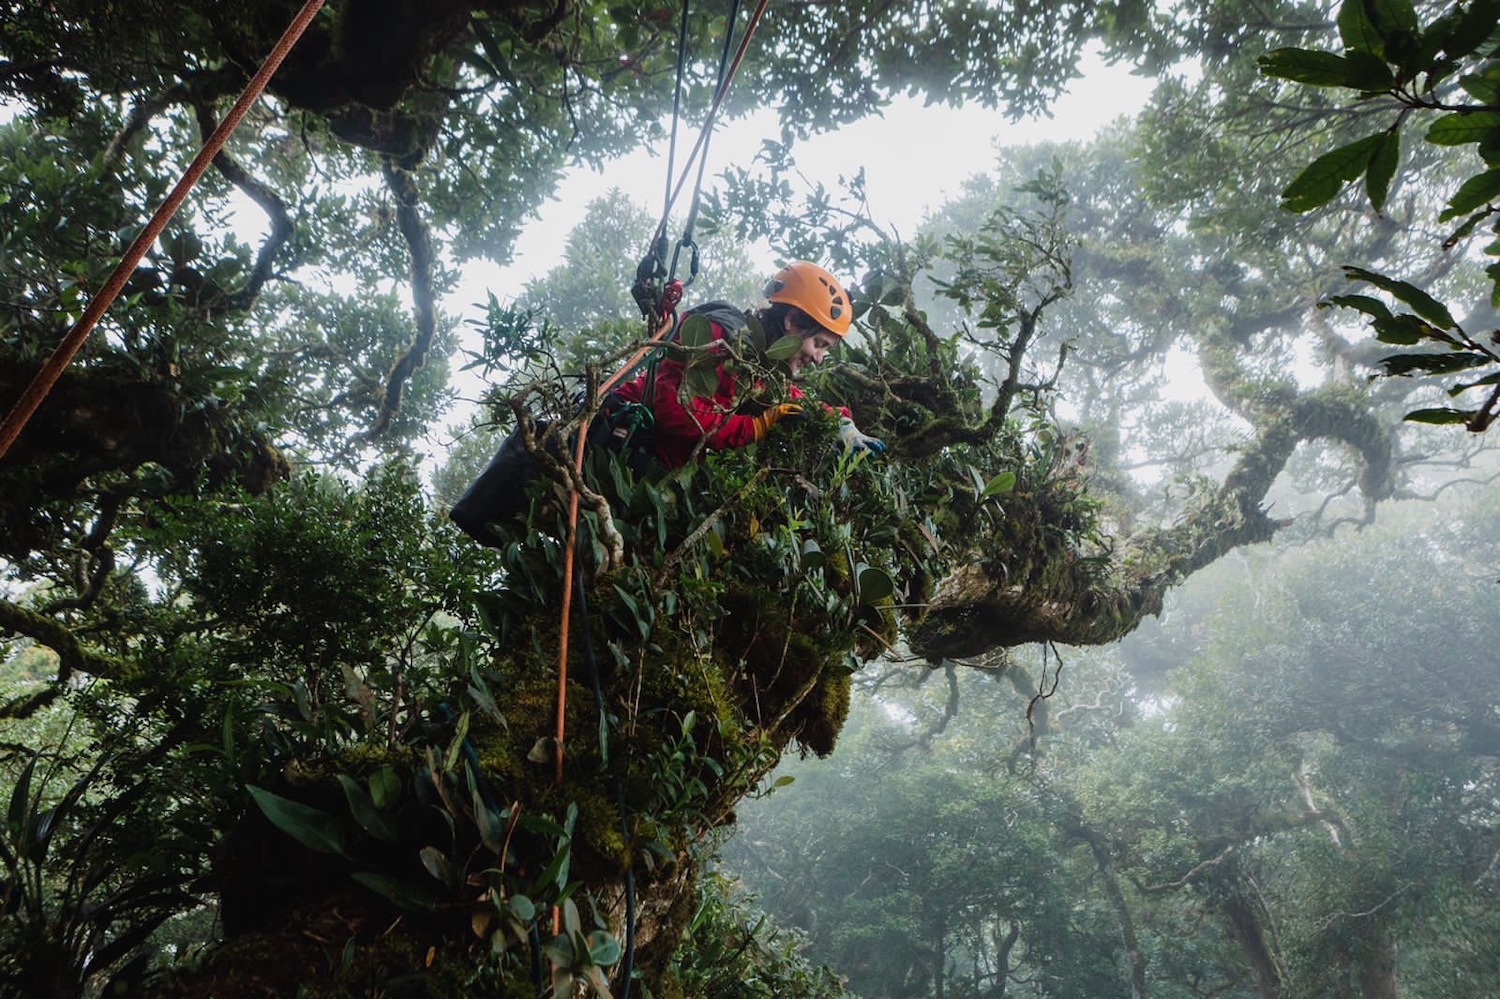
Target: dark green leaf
x,y
1473,25
695,332
313,828
1402,331
700,382
1422,303
1438,415
1485,89
1322,69
398,892
1325,176
1462,127
1383,161
439,866
1357,31
812,556
784,348
1368,73
371,819
1432,364
1475,192
874,584
603,948
1393,16
1367,304
521,907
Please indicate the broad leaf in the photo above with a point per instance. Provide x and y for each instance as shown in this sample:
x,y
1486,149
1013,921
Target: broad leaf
x,y
1432,364
695,332
700,382
312,827
1438,415
398,892
1422,303
1357,31
1383,162
1002,483
371,819
784,348
1322,69
1325,176
1367,304
1475,192
1402,331
1462,127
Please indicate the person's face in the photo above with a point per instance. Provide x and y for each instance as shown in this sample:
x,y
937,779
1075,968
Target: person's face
x,y
812,350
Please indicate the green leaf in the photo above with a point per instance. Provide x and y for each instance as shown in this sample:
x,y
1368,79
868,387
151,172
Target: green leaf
x,y
784,348
1320,69
385,787
1325,176
491,829
1367,304
396,891
1475,192
1462,127
1357,31
521,907
1393,16
371,819
700,382
755,333
1383,161
1423,304
695,332
874,584
1002,483
813,558
1485,89
1471,28
1399,365
313,828
1402,331
20,800
604,949
439,866
1438,415
1368,73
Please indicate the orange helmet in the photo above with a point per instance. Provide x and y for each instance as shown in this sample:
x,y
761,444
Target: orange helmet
x,y
813,290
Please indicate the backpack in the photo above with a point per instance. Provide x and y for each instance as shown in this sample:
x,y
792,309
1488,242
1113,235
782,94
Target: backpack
x,y
501,494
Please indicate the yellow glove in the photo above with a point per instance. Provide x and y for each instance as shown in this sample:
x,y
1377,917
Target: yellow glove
x,y
765,421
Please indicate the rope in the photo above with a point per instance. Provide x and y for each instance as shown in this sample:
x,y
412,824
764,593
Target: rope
x,y
668,321
22,411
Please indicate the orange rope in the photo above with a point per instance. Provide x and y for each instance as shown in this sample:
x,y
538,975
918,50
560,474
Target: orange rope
x,y
668,321
22,411
567,595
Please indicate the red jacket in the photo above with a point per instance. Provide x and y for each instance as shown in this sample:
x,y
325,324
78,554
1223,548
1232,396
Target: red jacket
x,y
713,419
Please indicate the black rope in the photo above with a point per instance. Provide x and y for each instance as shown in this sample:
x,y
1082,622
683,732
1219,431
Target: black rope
x,y
692,219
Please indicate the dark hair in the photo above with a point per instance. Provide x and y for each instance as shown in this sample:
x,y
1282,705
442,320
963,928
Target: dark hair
x,y
773,320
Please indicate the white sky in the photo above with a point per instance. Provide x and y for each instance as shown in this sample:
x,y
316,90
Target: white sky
x,y
915,158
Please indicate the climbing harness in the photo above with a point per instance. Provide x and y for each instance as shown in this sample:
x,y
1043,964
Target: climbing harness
x,y
42,383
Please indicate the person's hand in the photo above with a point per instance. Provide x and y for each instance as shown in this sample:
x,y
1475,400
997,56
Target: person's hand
x,y
855,440
774,415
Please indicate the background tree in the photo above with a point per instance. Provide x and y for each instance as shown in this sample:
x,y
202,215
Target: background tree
x,y
341,715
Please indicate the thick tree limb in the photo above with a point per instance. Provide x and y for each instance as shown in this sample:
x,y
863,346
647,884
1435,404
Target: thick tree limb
x,y
424,301
73,656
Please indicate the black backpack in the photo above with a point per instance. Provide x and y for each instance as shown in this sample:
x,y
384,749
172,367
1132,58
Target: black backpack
x,y
501,494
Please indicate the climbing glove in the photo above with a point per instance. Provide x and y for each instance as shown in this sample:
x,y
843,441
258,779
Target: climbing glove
x,y
774,415
854,440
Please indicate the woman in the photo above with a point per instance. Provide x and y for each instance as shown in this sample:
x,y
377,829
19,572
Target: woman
x,y
806,302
